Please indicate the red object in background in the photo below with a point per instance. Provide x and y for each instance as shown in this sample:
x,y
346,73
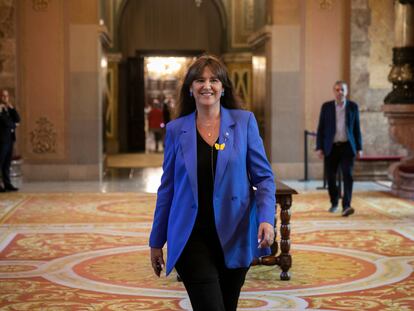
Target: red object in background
x,y
155,118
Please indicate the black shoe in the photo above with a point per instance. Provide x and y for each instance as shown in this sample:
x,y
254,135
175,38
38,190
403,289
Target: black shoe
x,y
10,187
348,211
333,209
2,189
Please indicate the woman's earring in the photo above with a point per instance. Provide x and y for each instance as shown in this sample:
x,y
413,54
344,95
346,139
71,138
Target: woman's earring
x,y
191,93
222,93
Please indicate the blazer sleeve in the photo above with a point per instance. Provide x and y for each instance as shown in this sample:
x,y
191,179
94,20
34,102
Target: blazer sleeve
x,y
357,130
165,194
261,174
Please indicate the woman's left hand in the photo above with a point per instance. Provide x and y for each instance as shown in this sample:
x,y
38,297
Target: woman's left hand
x,y
266,235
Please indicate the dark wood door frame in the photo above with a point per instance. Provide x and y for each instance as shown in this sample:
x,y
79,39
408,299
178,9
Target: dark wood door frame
x,y
135,94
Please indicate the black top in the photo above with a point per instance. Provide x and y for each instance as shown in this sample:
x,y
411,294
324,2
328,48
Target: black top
x,y
206,168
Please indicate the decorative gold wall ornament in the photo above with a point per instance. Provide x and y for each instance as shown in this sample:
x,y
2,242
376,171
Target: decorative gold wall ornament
x,y
40,5
242,22
43,138
241,78
325,4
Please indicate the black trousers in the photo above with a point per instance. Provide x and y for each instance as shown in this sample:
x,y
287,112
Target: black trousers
x,y
341,156
209,284
6,152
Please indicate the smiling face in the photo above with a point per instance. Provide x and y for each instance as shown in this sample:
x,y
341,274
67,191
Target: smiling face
x,y
207,89
340,91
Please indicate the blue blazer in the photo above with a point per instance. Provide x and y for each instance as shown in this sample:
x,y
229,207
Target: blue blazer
x,y
237,208
327,127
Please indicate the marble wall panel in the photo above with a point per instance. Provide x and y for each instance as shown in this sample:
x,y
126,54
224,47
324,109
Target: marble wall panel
x,y
381,36
379,143
85,115
287,118
286,59
371,54
359,4
360,21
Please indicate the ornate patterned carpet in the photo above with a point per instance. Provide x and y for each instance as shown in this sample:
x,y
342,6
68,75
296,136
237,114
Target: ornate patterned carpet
x,y
89,252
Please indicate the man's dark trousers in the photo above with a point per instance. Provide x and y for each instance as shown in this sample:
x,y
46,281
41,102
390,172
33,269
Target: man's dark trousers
x,y
6,153
343,157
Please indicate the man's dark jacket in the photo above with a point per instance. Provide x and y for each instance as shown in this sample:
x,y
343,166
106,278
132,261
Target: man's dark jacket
x,y
327,127
8,120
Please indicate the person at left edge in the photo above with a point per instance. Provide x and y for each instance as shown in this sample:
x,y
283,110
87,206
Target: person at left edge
x,y
9,119
206,208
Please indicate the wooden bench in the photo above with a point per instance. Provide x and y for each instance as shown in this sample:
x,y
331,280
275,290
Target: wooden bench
x,y
376,158
374,167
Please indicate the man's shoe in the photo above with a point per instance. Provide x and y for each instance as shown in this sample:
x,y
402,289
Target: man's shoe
x,y
2,189
348,211
10,187
333,209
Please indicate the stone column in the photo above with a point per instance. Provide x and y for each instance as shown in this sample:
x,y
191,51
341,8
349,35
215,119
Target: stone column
x,y
399,104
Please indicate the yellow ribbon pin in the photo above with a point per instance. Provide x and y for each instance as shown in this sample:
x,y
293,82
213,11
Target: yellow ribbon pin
x,y
219,146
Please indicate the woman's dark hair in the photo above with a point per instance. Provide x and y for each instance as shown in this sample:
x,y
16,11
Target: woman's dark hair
x,y
186,104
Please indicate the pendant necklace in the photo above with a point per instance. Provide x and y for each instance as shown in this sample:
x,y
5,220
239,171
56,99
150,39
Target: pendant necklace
x,y
209,133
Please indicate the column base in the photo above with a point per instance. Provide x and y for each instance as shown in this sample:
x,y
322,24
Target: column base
x,y
403,181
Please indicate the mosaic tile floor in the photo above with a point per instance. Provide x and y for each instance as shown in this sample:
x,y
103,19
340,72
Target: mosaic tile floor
x,y
88,251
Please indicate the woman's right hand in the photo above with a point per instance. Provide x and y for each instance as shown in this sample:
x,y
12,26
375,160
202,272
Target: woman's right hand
x,y
157,260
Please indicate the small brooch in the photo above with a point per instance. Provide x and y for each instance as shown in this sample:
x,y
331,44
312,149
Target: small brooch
x,y
219,146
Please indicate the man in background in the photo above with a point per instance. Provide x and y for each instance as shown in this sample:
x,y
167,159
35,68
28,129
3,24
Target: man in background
x,y
338,142
156,122
9,119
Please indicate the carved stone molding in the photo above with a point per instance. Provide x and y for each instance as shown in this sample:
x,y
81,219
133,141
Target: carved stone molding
x,y
40,5
43,138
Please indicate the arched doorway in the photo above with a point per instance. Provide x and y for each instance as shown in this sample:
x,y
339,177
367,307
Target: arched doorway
x,y
159,28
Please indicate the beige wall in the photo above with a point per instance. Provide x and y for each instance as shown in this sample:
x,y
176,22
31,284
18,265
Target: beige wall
x,y
42,62
310,48
8,46
326,56
59,53
286,88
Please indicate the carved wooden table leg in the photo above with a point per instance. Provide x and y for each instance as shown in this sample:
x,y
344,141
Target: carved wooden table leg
x,y
274,248
285,259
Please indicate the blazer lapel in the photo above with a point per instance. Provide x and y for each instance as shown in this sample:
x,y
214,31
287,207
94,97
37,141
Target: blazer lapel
x,y
227,137
188,142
